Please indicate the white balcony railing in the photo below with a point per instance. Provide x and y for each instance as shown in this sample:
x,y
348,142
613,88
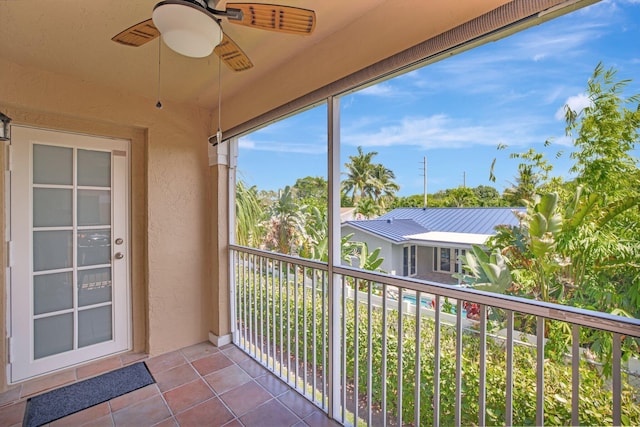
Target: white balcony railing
x,y
481,358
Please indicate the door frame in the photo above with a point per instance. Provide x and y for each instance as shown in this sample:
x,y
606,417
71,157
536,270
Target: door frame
x,y
80,140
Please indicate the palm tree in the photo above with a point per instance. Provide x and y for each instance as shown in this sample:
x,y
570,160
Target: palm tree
x,y
359,175
249,214
525,187
286,226
368,208
382,186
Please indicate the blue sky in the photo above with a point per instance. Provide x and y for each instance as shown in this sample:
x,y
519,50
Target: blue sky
x,y
456,111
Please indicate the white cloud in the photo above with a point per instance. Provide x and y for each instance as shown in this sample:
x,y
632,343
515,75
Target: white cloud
x,y
380,89
576,102
246,144
281,146
442,131
564,141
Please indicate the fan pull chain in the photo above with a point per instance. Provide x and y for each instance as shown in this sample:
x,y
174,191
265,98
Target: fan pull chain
x,y
159,104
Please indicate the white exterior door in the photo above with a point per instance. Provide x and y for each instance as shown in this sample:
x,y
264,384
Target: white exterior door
x,y
68,266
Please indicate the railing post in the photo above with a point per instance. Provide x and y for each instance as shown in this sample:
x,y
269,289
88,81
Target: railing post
x,y
333,173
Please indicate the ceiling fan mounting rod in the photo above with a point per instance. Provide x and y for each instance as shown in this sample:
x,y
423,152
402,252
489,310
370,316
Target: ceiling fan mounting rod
x,y
233,14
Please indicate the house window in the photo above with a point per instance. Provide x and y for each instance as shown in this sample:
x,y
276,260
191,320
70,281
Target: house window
x,y
445,260
409,260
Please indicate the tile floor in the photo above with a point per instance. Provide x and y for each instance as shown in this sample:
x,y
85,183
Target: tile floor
x,y
199,385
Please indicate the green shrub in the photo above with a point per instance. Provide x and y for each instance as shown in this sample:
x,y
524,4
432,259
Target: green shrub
x,y
595,390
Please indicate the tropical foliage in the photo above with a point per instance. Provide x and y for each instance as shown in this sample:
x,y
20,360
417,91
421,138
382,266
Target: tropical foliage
x,y
578,243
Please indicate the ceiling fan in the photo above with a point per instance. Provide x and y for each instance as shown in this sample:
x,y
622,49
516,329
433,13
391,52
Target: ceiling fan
x,y
192,28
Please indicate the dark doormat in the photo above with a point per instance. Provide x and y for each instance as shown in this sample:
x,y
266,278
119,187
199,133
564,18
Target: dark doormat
x,y
64,401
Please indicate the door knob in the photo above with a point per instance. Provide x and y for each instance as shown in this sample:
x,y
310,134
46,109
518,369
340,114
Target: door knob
x,y
119,255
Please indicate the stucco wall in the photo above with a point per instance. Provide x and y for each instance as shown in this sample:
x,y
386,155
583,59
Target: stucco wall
x,y
373,243
170,187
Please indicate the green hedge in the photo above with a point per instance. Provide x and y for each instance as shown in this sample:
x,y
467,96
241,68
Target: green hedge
x,y
595,390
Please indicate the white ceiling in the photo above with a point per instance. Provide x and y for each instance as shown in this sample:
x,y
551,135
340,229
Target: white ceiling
x,y
73,38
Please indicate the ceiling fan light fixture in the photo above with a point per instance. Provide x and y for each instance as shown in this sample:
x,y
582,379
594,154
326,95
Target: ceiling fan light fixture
x,y
187,28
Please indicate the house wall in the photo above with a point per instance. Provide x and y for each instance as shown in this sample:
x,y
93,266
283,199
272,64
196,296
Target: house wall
x,y
170,239
373,243
397,259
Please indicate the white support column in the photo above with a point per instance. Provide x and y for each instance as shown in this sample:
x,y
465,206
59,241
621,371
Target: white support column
x,y
232,157
220,327
335,291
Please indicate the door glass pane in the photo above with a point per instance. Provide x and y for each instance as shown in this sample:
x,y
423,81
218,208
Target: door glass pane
x,y
52,207
52,335
52,292
51,250
94,326
94,286
94,247
413,260
94,168
52,165
405,261
445,259
94,207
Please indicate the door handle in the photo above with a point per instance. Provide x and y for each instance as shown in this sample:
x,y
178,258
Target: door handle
x,y
119,255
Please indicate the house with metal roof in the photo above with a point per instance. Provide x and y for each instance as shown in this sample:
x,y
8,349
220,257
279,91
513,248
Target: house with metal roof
x,y
426,242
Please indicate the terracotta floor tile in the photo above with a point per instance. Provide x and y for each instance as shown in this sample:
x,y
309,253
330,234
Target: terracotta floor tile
x,y
253,368
175,377
227,378
232,385
145,413
97,368
245,397
298,404
134,397
49,382
234,353
233,423
320,419
165,362
210,413
272,384
169,422
188,395
83,417
272,413
104,421
12,414
212,363
199,351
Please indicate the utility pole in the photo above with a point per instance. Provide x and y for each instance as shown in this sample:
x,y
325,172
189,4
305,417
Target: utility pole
x,y
464,179
424,172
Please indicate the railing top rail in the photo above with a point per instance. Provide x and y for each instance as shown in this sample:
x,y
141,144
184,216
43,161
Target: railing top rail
x,y
578,316
281,257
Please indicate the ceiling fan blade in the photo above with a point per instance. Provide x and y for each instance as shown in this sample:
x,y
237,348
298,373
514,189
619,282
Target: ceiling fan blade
x,y
232,55
283,19
138,34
